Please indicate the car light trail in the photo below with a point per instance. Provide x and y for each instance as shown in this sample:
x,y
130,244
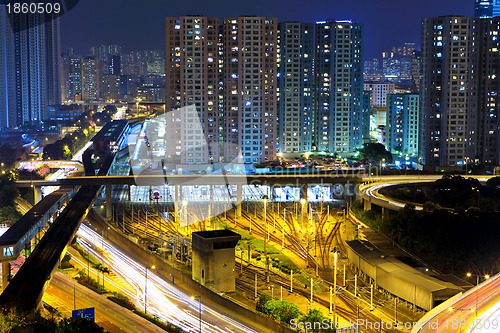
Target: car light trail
x,y
164,300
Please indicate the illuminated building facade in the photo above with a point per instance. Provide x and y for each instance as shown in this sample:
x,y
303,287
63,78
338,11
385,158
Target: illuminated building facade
x,y
29,68
192,79
296,86
339,86
401,131
250,86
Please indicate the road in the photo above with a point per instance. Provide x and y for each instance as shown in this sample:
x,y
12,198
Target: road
x,y
61,173
61,293
372,191
163,299
109,315
476,311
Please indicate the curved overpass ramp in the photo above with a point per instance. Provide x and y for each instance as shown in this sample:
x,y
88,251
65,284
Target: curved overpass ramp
x,y
475,311
370,190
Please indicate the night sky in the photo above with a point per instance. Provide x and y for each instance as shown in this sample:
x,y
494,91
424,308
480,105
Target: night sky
x,y
139,24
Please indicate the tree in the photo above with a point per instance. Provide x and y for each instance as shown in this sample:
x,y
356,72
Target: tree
x,y
7,156
313,321
78,325
493,182
8,191
374,152
103,269
261,303
11,318
283,311
430,207
9,215
54,151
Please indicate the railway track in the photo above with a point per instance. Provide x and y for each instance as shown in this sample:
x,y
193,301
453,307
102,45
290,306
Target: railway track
x,y
251,211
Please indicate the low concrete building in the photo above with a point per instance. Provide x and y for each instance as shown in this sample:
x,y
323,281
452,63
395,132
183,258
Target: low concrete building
x,y
213,259
397,278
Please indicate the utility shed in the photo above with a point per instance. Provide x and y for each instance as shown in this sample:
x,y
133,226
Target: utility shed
x,y
214,258
398,278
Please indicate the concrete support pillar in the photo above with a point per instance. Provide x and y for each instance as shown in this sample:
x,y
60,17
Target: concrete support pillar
x,y
239,197
33,243
109,207
176,202
303,193
38,194
5,274
367,204
211,192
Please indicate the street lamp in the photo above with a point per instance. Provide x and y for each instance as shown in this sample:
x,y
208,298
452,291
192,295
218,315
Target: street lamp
x,y
382,161
303,202
265,236
335,286
486,277
184,205
146,291
199,300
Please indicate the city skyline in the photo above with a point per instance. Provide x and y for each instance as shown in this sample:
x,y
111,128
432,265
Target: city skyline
x,y
135,26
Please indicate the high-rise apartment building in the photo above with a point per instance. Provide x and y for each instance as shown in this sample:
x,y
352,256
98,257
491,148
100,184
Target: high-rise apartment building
x,y
397,63
379,90
483,8
192,78
416,73
250,88
71,77
489,91
486,8
105,54
8,116
29,68
111,85
449,90
91,79
296,86
115,65
401,132
143,63
459,91
372,70
339,86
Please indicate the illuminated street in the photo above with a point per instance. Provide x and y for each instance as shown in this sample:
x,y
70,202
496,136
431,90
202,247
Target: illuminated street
x,y
164,300
476,311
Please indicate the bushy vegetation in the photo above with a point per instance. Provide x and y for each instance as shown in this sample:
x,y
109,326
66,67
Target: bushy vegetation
x,y
374,152
166,326
65,261
283,311
313,321
454,241
90,282
11,318
122,300
457,229
78,325
8,193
